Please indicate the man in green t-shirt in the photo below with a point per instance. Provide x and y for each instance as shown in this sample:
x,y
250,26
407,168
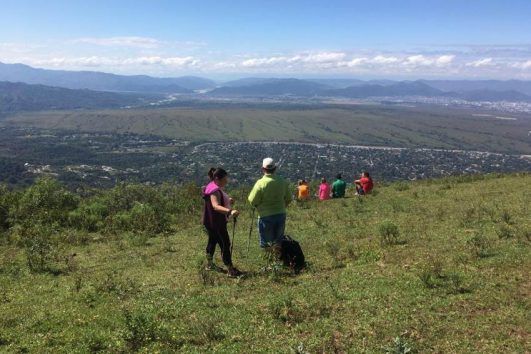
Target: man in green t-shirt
x,y
270,196
338,187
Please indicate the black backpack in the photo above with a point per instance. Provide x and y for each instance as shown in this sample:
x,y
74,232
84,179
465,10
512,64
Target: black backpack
x,y
291,254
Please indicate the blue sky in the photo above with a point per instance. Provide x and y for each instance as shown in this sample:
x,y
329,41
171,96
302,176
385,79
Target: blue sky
x,y
410,39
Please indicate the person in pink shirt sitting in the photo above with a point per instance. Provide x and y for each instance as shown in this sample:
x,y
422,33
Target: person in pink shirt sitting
x,y
324,190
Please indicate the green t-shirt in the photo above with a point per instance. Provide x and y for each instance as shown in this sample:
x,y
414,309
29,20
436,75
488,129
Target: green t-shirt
x,y
338,188
270,195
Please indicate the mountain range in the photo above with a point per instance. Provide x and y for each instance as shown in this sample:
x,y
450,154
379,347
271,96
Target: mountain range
x,y
100,81
60,89
252,87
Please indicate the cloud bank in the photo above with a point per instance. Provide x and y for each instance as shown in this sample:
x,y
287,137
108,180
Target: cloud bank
x,y
145,55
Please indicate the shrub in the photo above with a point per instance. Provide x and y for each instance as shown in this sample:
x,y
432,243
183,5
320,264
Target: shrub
x,y
7,201
89,216
506,217
145,219
399,346
40,249
401,186
46,202
141,328
504,231
207,330
432,274
284,309
389,233
433,277
333,249
115,283
480,245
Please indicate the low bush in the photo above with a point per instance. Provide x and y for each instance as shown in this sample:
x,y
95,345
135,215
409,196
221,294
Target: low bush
x,y
505,231
40,247
389,233
401,186
480,245
141,328
284,309
7,201
46,203
433,276
399,346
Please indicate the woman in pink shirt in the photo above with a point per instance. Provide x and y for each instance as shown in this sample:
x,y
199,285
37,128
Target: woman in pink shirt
x,y
324,190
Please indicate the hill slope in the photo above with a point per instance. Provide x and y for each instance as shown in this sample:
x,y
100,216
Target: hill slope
x,y
18,96
454,280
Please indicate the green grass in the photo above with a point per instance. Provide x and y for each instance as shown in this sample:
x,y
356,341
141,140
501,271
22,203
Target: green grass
x,y
431,127
455,280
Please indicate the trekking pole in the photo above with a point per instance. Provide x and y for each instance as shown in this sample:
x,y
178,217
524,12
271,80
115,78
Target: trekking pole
x,y
233,233
250,232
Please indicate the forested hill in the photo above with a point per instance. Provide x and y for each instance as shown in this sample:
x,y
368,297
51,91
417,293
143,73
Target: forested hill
x,y
16,96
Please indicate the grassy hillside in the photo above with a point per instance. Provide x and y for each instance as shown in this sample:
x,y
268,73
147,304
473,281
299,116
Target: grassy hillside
x,y
432,127
436,266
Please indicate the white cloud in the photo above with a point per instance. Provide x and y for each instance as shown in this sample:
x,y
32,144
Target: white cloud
x,y
418,60
480,62
353,62
156,60
444,60
380,59
421,60
324,57
260,62
92,61
127,41
95,61
523,65
302,59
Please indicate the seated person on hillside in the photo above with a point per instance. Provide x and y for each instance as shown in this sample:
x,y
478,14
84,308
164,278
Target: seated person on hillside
x,y
364,185
324,190
303,190
339,187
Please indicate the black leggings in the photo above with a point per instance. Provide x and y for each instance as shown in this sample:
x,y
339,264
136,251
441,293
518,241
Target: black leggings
x,y
221,237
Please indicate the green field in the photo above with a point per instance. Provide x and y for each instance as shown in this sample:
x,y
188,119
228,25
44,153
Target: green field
x,y
431,127
437,266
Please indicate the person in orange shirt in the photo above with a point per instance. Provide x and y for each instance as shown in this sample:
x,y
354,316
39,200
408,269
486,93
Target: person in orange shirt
x,y
304,190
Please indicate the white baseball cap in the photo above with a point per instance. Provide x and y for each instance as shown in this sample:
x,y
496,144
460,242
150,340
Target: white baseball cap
x,y
268,163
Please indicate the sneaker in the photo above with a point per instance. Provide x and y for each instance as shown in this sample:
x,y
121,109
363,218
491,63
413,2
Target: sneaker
x,y
213,267
234,273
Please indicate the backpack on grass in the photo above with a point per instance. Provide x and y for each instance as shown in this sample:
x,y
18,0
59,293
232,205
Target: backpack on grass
x,y
291,254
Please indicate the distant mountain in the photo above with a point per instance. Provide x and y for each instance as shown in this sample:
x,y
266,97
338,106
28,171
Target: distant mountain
x,y
339,83
264,87
404,88
99,81
16,97
344,83
271,87
248,81
478,85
